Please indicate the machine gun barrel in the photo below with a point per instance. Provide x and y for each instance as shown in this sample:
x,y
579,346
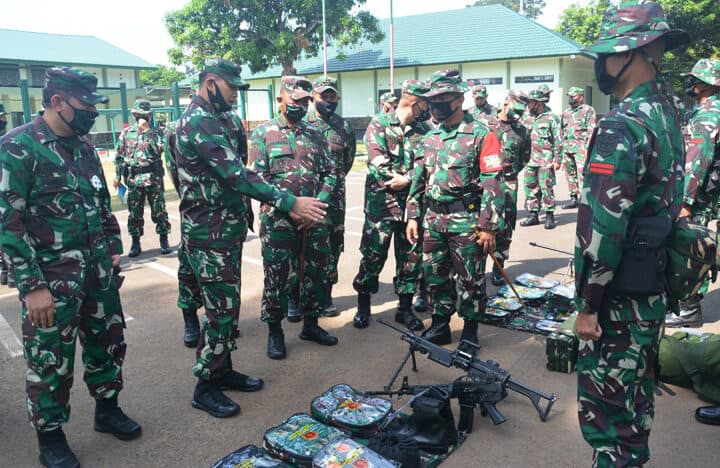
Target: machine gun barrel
x,y
542,246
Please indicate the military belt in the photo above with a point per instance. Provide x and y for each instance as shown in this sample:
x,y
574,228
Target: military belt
x,y
142,170
447,207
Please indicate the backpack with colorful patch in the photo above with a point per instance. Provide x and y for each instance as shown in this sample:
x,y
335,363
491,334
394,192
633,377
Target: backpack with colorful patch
x,y
250,456
342,406
346,453
299,439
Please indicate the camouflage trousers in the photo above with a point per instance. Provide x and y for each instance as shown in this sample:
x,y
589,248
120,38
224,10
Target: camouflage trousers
x,y
504,237
283,251
453,263
374,247
217,272
540,188
136,209
336,215
50,353
616,381
574,163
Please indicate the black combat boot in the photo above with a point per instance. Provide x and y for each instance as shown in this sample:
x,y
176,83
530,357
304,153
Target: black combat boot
x,y
690,314
362,317
497,277
234,380
550,220
192,328
55,451
531,220
164,245
421,302
330,309
439,331
470,334
404,314
708,415
135,248
208,397
294,314
573,203
111,419
276,341
3,277
311,331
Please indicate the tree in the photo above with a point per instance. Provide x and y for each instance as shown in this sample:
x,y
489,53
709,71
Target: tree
x,y
531,8
263,33
582,23
161,76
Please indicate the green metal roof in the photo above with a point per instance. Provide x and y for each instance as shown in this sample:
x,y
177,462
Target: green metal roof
x,y
474,34
61,49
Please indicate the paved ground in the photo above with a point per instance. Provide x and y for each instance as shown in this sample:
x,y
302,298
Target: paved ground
x,y
159,382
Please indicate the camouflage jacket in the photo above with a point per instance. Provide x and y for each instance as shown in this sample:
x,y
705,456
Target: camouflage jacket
x,y
170,153
485,112
515,146
391,149
546,139
136,151
458,166
634,169
212,177
341,141
56,226
702,145
577,127
296,159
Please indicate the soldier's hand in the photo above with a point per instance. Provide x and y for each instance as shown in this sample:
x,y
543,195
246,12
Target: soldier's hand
x,y
411,231
557,166
41,308
115,260
308,209
116,183
143,126
587,326
265,208
685,212
398,182
486,240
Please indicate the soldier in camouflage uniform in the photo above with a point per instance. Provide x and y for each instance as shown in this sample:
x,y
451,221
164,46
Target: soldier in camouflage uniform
x,y
294,155
545,159
392,141
138,158
482,109
6,276
702,168
388,102
633,174
578,122
62,240
456,195
213,179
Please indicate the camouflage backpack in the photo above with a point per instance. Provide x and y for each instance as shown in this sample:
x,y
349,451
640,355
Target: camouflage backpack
x,y
691,256
691,360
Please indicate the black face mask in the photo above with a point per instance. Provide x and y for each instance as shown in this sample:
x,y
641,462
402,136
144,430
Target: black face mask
x,y
690,83
441,111
82,121
424,114
606,82
217,100
513,115
295,113
3,125
326,108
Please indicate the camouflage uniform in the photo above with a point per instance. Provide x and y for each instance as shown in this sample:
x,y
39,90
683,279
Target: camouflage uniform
x,y
486,111
4,273
634,170
296,159
58,231
387,98
546,138
455,189
577,126
212,180
140,155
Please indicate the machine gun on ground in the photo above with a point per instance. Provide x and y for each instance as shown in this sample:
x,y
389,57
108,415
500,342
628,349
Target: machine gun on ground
x,y
484,385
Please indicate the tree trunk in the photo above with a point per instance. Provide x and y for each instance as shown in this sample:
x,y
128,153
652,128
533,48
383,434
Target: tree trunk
x,y
288,67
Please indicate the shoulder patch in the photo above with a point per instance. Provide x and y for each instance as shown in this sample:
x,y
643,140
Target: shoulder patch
x,y
606,143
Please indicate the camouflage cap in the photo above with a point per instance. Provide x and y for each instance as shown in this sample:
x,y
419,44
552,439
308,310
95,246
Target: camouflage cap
x,y
707,71
2,109
226,70
634,25
388,97
479,90
415,88
324,83
445,81
298,87
542,93
517,101
576,91
74,82
142,106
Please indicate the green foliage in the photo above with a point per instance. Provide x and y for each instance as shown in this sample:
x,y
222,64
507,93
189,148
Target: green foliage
x,y
161,76
582,23
533,8
263,33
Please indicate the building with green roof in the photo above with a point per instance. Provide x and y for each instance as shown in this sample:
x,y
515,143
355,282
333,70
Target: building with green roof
x,y
491,44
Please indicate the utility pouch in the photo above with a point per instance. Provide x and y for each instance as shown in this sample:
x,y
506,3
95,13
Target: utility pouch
x,y
471,201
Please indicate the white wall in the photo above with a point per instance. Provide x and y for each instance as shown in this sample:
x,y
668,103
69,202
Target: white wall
x,y
479,70
580,72
358,95
117,75
257,102
537,67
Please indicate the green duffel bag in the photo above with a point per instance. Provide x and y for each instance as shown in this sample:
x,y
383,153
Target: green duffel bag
x,y
691,360
691,257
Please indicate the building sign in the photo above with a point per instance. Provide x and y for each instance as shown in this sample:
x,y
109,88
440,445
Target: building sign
x,y
535,79
485,81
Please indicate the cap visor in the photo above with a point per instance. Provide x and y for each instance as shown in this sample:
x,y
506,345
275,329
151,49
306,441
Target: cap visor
x,y
675,38
299,94
322,89
94,98
437,92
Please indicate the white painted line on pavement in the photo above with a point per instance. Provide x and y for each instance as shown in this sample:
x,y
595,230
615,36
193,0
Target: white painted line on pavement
x,y
12,294
128,317
175,217
355,208
9,339
161,268
252,260
356,234
355,218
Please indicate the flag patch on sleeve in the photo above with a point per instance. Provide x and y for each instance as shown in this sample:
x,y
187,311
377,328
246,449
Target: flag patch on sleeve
x,y
602,168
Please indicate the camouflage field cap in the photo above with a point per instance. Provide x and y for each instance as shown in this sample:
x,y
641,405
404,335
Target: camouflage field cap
x,y
324,83
226,70
446,81
633,25
576,91
479,90
142,106
298,87
388,97
517,101
2,109
707,71
74,82
415,88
